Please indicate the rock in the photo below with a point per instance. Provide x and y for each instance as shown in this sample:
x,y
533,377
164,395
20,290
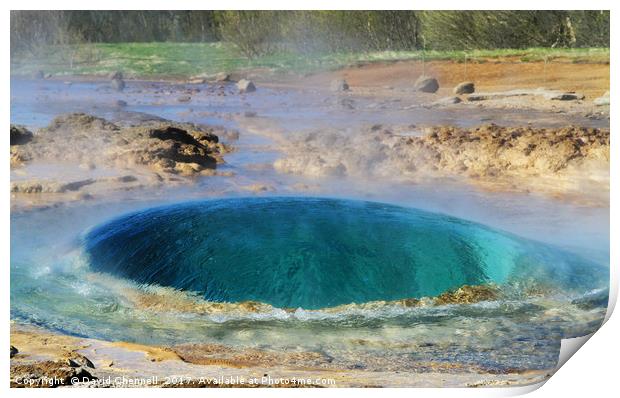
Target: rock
x,y
426,84
184,98
129,118
75,185
49,374
246,86
565,96
82,139
120,104
126,178
339,85
79,122
468,294
249,114
38,75
222,77
602,100
173,149
464,88
447,101
118,75
20,135
171,133
14,351
118,84
76,360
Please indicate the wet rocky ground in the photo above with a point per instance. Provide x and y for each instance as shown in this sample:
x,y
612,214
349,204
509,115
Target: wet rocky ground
x,y
42,359
569,163
94,156
92,141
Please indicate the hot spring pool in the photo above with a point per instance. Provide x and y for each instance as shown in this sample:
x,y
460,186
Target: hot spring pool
x,y
315,253
306,274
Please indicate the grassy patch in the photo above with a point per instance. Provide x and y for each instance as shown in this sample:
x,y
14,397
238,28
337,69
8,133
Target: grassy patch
x,y
186,59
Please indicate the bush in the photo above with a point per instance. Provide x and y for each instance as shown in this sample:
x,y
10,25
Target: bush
x,y
331,31
254,33
468,30
258,33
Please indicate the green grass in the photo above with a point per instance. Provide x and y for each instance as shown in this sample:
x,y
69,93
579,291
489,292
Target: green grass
x,y
187,59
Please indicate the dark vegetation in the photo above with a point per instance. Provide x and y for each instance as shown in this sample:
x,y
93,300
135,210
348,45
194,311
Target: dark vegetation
x,y
257,33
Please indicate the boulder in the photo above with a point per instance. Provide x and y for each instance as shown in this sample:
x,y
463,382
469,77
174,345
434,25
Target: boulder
x,y
20,135
38,75
426,84
184,98
339,85
14,351
464,88
246,86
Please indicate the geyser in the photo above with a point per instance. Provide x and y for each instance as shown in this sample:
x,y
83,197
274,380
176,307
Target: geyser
x,y
313,252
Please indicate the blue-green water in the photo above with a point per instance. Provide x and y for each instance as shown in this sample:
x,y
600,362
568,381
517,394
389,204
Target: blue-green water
x,y
314,253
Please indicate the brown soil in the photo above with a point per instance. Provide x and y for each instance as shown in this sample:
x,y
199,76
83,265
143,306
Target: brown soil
x,y
590,79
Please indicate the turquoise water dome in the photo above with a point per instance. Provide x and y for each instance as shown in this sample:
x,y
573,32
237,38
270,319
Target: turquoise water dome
x,y
314,252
